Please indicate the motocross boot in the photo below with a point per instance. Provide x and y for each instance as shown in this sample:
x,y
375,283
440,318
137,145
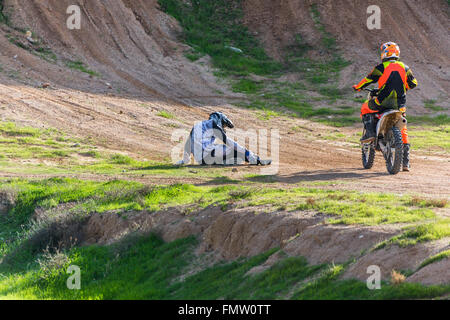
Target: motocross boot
x,y
369,125
264,162
406,149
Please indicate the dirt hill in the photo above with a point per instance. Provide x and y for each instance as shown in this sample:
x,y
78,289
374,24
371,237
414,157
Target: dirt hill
x,y
144,54
421,28
132,44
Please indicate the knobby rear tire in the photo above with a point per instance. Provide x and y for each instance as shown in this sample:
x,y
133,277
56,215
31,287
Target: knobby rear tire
x,y
395,166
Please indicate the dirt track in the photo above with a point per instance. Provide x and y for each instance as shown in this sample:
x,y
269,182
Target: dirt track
x,y
123,124
143,61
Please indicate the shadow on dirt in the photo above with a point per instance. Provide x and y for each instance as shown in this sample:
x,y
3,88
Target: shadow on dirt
x,y
320,175
220,181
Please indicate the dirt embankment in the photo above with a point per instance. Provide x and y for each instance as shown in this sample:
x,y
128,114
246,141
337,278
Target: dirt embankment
x,y
421,28
132,44
246,232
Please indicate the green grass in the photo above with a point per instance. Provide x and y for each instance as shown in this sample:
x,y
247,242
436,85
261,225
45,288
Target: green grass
x,y
438,120
247,86
165,114
437,257
46,53
25,149
144,267
348,207
431,231
80,66
212,27
430,138
3,18
38,49
106,272
328,287
343,207
23,142
431,104
229,281
193,55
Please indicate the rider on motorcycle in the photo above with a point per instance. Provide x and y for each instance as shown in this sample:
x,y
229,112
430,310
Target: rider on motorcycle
x,y
394,80
201,144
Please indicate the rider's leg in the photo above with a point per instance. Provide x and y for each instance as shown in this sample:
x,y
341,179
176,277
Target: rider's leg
x,y
223,154
406,149
368,119
250,157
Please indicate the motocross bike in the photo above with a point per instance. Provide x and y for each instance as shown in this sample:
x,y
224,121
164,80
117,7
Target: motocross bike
x,y
388,138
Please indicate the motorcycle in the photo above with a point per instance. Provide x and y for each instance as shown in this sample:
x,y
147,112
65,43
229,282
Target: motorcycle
x,y
388,138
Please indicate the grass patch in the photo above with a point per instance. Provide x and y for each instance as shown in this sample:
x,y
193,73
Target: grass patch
x,y
437,257
46,53
430,138
328,287
3,18
229,281
165,114
23,142
37,48
247,86
144,267
80,66
343,207
438,120
216,28
212,27
431,104
106,272
427,203
193,55
421,233
122,159
347,207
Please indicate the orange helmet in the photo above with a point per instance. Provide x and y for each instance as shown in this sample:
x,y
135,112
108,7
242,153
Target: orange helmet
x,y
390,50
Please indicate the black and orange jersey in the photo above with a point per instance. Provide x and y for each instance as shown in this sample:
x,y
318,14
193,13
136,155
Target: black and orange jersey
x,y
394,79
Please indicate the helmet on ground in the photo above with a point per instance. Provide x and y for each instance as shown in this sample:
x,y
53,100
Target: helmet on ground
x,y
221,120
390,50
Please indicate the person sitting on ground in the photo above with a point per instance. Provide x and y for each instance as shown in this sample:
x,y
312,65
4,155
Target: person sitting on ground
x,y
394,80
201,144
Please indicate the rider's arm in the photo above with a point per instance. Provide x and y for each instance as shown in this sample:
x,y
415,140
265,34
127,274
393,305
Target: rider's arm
x,y
372,77
410,79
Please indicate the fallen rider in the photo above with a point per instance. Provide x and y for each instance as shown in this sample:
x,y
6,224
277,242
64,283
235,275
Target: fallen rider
x,y
201,144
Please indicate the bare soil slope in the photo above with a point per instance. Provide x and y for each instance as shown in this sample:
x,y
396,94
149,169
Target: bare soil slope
x,y
421,28
131,44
